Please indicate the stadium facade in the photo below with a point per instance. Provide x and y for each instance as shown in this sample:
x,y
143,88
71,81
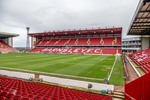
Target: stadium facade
x,y
132,44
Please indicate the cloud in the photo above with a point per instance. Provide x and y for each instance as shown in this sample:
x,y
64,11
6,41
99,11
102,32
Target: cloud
x,y
49,15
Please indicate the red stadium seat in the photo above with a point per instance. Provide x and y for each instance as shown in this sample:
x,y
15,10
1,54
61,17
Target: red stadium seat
x,y
35,91
62,42
2,98
71,42
83,41
142,59
5,48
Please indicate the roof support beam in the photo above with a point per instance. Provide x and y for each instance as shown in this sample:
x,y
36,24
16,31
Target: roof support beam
x,y
140,28
141,22
144,11
140,25
143,18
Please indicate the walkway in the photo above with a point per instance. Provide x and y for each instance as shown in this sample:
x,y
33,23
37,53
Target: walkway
x,y
62,81
131,72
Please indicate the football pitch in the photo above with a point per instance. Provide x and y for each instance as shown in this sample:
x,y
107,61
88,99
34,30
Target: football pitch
x,y
83,67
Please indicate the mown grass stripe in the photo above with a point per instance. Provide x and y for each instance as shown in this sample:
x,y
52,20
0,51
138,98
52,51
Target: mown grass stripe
x,y
95,66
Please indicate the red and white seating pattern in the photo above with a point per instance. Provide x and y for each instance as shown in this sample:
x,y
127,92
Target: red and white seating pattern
x,y
61,42
5,48
36,50
95,41
45,45
15,89
80,42
78,50
142,59
71,42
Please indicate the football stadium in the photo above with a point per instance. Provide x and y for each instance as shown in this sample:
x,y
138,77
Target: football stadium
x,y
78,64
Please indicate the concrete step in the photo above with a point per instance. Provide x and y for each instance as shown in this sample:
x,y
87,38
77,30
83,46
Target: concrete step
x,y
118,96
119,93
117,99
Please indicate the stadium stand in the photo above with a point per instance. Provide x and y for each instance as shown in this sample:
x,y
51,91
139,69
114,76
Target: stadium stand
x,y
6,41
139,89
5,48
142,59
80,42
95,41
16,89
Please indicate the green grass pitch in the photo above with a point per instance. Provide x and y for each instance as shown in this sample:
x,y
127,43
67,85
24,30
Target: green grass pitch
x,y
94,67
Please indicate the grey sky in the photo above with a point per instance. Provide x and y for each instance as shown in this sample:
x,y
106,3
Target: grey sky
x,y
49,15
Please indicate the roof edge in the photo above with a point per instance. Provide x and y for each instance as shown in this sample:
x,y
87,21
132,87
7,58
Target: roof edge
x,y
7,34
